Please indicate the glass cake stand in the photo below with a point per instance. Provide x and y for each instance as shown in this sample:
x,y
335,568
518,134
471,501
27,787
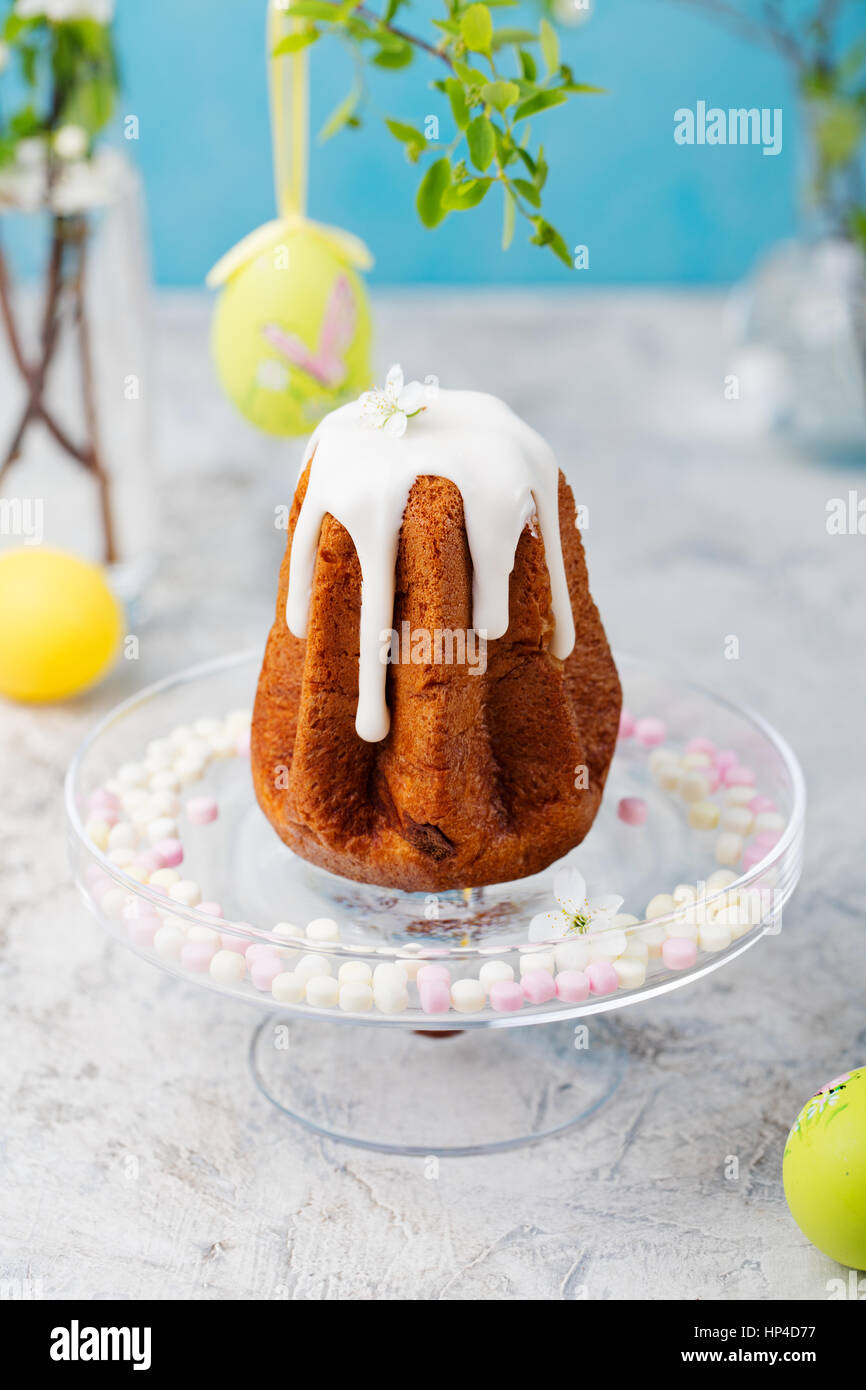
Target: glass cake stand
x,y
389,1072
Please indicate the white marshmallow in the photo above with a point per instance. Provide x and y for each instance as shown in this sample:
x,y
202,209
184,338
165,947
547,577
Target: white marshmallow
x,y
703,815
468,996
185,891
323,929
537,960
660,906
493,970
769,820
729,848
323,991
391,995
631,972
357,970
355,996
132,775
228,967
739,819
311,967
288,988
694,787
122,836
169,940
715,935
98,832
163,828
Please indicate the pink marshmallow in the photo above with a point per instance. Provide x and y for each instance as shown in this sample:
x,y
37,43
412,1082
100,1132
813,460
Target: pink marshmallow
x,y
572,986
142,930
234,943
104,799
701,745
602,977
171,851
626,724
210,909
650,732
264,970
260,950
435,995
679,952
506,996
242,747
632,810
725,758
752,855
538,986
197,955
739,776
429,973
138,908
201,810
149,860
767,839
713,776
761,803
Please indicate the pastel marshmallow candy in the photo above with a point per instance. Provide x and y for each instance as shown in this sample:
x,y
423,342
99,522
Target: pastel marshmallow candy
x,y
738,776
632,810
769,821
729,848
606,945
538,986
98,831
357,971
572,954
493,970
679,953
739,819
311,966
506,996
714,935
703,815
390,994
288,988
197,955
626,724
602,977
170,851
660,906
631,973
694,786
185,891
355,996
434,994
323,992
572,986
202,810
537,960
227,967
428,973
323,929
650,732
653,938
700,744
468,996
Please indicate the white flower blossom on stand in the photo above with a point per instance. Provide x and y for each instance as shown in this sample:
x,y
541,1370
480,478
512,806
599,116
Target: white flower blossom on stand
x,y
64,11
392,408
577,912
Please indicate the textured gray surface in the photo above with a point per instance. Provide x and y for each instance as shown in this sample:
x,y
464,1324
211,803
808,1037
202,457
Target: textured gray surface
x,y
137,1160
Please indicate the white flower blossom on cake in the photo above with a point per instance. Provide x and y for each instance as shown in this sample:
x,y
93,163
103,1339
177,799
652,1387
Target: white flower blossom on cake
x,y
392,408
577,911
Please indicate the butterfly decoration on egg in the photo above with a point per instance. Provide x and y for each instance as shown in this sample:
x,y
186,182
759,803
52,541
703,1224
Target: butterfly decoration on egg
x,y
291,333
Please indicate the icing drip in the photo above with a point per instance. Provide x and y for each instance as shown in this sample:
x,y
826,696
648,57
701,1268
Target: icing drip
x,y
507,476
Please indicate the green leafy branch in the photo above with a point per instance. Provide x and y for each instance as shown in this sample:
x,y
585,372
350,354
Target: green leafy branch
x,y
496,80
68,70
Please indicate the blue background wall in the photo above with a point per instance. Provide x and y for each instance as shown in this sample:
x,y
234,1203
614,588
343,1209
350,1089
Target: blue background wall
x,y
648,209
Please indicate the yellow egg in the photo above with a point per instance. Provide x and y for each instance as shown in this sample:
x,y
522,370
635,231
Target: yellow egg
x,y
824,1169
60,624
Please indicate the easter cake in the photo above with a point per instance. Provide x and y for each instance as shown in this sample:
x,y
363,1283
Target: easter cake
x,y
438,706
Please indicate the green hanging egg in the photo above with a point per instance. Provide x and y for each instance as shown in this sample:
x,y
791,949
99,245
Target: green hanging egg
x,y
291,334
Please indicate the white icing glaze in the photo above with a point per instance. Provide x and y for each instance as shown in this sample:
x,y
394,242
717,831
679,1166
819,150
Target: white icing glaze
x,y
506,474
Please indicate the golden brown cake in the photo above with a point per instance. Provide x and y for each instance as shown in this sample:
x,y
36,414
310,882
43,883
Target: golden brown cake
x,y
464,772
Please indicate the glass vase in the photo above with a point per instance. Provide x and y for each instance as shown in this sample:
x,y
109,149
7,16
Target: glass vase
x,y
75,403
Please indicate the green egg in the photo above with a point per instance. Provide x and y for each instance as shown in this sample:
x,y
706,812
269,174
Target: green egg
x,y
291,331
824,1169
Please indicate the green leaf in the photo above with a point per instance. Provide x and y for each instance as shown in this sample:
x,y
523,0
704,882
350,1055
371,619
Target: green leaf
x,y
293,43
394,55
508,218
502,38
315,9
467,194
476,28
343,114
527,65
500,94
545,235
470,77
457,98
528,191
432,191
547,37
542,101
482,142
573,87
409,134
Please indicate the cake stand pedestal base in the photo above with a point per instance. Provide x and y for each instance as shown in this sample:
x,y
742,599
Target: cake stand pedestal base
x,y
394,1090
